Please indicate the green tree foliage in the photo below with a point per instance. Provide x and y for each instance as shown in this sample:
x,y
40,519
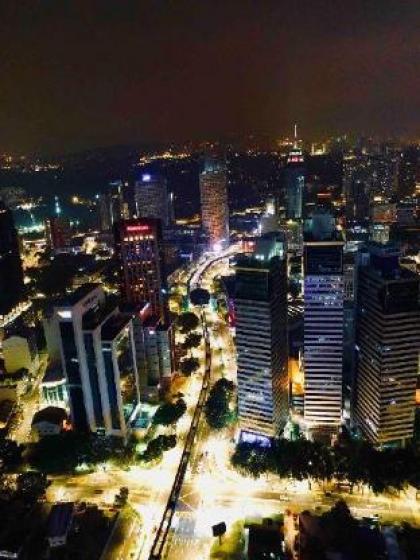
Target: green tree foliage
x,y
122,497
157,446
63,452
187,322
217,408
169,413
352,461
200,296
192,340
189,366
10,454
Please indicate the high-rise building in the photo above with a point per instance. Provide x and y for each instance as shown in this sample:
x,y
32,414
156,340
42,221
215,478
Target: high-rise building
x,y
388,345
112,206
138,245
407,172
214,202
58,234
154,341
261,337
323,323
151,198
294,174
11,273
97,353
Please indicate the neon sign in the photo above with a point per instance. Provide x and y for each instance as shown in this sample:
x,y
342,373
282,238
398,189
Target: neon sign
x,y
137,229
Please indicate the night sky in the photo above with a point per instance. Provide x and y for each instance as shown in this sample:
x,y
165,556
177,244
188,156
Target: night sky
x,y
78,74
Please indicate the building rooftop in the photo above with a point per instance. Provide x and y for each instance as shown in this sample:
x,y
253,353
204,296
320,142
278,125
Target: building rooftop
x,y
77,295
114,325
51,414
60,519
98,315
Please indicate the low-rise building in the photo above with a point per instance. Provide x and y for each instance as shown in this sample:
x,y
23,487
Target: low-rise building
x,y
48,421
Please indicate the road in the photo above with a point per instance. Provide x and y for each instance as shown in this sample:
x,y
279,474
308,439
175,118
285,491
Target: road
x,y
214,492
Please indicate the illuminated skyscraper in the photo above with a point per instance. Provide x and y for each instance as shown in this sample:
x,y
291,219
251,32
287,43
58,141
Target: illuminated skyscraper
x,y
214,202
295,182
11,274
112,205
96,349
151,198
407,172
323,323
138,245
388,345
261,337
58,233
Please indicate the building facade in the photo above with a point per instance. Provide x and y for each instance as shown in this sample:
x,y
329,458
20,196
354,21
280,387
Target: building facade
x,y
261,338
97,354
388,346
138,245
151,199
214,203
58,234
11,273
323,325
295,182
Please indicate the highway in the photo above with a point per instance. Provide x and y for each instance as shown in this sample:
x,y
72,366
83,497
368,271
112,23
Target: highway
x,y
165,524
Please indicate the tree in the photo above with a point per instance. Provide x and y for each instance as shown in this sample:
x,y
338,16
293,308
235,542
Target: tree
x,y
187,322
157,446
31,485
199,296
217,408
192,340
10,453
122,497
169,413
189,366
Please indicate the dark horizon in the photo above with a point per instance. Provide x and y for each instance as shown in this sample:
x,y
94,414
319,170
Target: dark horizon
x,y
77,77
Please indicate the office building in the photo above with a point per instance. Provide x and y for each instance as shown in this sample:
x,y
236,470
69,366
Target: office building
x,y
214,203
407,172
151,199
154,343
112,206
58,234
294,175
138,245
97,355
261,337
323,323
388,346
11,273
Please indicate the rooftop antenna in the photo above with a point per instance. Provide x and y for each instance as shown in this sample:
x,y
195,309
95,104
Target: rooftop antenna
x,y
295,136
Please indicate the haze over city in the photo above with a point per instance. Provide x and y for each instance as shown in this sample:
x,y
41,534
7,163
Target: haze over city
x,y
210,280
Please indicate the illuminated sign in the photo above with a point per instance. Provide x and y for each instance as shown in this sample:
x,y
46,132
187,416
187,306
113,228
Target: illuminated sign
x,y
138,229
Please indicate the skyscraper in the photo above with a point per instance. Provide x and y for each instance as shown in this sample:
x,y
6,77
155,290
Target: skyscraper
x,y
388,346
294,174
11,273
214,202
323,323
407,172
95,344
58,233
138,245
261,337
112,206
151,198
